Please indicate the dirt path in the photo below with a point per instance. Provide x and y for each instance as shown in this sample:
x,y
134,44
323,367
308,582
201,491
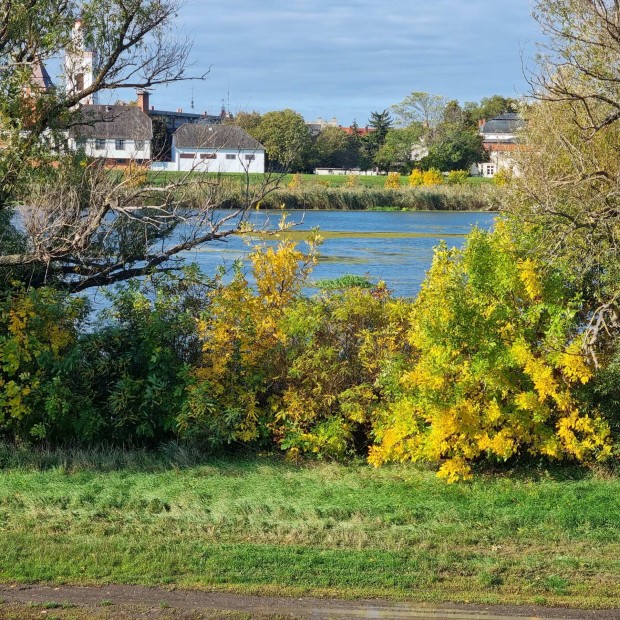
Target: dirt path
x,y
154,600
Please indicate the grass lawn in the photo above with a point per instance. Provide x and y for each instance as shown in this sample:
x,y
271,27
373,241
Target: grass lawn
x,y
259,525
161,178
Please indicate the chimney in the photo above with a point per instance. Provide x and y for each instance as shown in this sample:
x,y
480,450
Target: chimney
x,y
482,122
180,110
143,100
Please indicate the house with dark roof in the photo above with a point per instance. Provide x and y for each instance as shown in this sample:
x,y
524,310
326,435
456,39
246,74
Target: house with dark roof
x,y
216,148
117,133
500,139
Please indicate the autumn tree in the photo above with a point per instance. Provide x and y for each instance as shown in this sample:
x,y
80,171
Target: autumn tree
x,y
568,189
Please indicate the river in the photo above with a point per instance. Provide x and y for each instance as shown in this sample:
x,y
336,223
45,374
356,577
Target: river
x,y
394,246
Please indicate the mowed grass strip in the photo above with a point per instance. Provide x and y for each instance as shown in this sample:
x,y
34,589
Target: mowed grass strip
x,y
160,178
263,526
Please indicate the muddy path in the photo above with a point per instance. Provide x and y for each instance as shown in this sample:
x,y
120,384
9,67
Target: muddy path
x,y
122,601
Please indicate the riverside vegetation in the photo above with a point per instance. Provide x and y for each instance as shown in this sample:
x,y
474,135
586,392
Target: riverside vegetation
x,y
351,192
501,377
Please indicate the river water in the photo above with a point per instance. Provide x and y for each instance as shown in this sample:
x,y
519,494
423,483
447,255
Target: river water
x,y
394,246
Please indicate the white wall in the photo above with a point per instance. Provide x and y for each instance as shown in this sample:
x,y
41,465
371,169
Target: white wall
x,y
221,163
109,151
343,171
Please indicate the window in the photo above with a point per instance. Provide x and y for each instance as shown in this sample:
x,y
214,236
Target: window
x,y
231,156
139,144
99,144
187,155
208,156
250,157
80,143
119,145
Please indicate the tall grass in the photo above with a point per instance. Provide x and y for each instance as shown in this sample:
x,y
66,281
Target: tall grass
x,y
436,198
231,191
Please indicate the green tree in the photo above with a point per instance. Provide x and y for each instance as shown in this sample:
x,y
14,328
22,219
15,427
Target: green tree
x,y
379,123
488,108
335,148
399,151
250,121
420,107
286,139
456,149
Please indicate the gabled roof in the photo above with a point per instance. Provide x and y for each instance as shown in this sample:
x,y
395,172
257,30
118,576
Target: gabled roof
x,y
228,137
504,123
111,122
40,77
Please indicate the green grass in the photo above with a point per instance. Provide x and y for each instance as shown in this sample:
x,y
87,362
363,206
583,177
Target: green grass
x,y
259,525
161,178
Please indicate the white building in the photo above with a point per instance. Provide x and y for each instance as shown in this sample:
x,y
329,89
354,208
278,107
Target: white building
x,y
500,138
215,148
80,65
117,133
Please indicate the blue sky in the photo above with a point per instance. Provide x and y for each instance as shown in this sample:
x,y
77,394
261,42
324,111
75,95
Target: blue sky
x,y
346,58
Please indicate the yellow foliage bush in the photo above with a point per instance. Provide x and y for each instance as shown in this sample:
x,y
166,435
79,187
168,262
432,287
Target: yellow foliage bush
x,y
295,182
502,177
392,181
243,345
305,374
457,177
134,176
416,177
498,363
432,177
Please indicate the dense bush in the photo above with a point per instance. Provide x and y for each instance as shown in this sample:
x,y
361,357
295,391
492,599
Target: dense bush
x,y
498,365
278,368
130,374
38,334
485,365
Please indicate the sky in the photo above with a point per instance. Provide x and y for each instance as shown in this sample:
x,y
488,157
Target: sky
x,y
346,58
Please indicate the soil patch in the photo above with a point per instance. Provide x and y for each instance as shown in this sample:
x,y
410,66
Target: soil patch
x,y
121,601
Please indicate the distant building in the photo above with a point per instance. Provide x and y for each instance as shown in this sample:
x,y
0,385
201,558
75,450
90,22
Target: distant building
x,y
117,133
317,126
173,120
361,131
500,138
80,65
214,148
